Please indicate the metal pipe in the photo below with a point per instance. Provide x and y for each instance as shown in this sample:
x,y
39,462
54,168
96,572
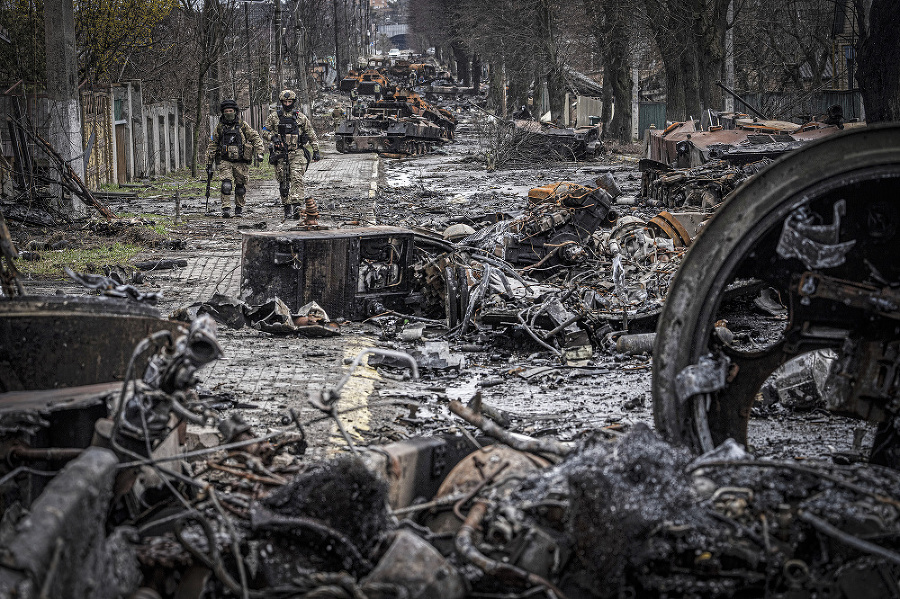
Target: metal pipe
x,y
41,454
465,545
741,100
860,544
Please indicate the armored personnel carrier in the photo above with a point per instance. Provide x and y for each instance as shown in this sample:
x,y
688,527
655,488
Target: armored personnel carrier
x,y
400,123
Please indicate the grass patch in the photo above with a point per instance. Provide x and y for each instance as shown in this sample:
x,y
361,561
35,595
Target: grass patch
x,y
52,262
182,182
161,223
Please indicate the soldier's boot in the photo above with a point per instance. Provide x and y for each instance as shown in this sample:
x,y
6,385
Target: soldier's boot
x,y
239,191
226,212
288,211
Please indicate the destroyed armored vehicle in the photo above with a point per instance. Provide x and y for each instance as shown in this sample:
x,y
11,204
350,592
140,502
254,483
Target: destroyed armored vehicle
x,y
371,82
685,145
402,123
349,83
566,143
818,231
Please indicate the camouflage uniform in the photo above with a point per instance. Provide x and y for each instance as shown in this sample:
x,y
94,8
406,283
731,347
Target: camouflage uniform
x,y
234,160
297,161
337,116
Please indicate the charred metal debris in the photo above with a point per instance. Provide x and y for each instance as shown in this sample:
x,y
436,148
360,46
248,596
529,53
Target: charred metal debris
x,y
398,120
567,273
125,509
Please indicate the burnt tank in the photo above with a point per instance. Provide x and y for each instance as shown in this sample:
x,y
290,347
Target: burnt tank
x,y
400,123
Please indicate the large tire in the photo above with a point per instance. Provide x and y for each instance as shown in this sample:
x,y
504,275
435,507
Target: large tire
x,y
756,210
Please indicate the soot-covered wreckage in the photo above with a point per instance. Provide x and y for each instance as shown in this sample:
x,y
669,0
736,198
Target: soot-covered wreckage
x,y
687,166
398,121
102,498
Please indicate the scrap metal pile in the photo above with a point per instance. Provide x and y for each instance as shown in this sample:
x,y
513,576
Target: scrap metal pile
x,y
568,271
133,514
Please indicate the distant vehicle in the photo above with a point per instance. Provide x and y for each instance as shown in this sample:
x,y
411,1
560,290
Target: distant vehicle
x,y
394,52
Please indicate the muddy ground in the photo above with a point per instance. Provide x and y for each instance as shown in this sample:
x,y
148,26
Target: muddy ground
x,y
264,376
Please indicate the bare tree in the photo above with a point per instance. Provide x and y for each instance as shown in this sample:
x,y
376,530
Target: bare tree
x,y
612,26
878,58
210,20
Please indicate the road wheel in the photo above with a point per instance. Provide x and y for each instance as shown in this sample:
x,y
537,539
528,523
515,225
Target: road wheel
x,y
703,384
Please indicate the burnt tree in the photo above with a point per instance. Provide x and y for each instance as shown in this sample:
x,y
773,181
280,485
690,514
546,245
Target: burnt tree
x,y
611,25
878,59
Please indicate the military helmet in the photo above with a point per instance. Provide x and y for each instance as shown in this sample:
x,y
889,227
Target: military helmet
x,y
229,103
286,95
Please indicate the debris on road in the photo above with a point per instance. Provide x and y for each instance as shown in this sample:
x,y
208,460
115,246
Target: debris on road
x,y
423,517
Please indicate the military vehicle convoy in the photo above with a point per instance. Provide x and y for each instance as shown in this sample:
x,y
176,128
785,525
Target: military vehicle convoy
x,y
400,123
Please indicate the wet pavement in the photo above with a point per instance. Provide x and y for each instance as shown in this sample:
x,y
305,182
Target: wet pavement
x,y
268,375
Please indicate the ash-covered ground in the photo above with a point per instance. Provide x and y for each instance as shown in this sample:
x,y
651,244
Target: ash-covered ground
x,y
263,376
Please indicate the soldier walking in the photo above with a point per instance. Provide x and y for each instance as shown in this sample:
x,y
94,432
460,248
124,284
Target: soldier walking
x,y
288,130
234,144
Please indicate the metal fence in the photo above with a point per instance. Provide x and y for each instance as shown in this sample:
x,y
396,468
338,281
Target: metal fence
x,y
651,113
802,107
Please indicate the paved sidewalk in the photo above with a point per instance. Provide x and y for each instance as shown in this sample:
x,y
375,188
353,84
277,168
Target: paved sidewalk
x,y
270,372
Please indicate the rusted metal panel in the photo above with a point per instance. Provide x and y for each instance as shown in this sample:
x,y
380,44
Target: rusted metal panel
x,y
347,272
49,342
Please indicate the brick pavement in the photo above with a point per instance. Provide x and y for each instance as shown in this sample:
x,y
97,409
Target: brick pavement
x,y
269,372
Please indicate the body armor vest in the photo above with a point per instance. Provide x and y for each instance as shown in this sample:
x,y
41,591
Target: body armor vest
x,y
231,143
289,130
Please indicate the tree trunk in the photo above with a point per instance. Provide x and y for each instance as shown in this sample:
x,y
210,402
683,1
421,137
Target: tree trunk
x,y
463,73
606,110
198,114
62,90
710,29
878,61
617,71
337,43
690,80
555,78
476,73
495,91
676,107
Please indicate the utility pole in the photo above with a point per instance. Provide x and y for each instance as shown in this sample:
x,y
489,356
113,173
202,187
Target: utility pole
x,y
337,46
729,56
249,65
347,32
278,43
62,88
369,38
302,81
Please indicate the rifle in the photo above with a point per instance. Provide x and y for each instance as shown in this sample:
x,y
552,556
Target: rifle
x,y
209,176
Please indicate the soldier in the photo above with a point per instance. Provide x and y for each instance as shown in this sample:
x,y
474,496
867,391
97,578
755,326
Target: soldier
x,y
234,144
288,130
337,116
